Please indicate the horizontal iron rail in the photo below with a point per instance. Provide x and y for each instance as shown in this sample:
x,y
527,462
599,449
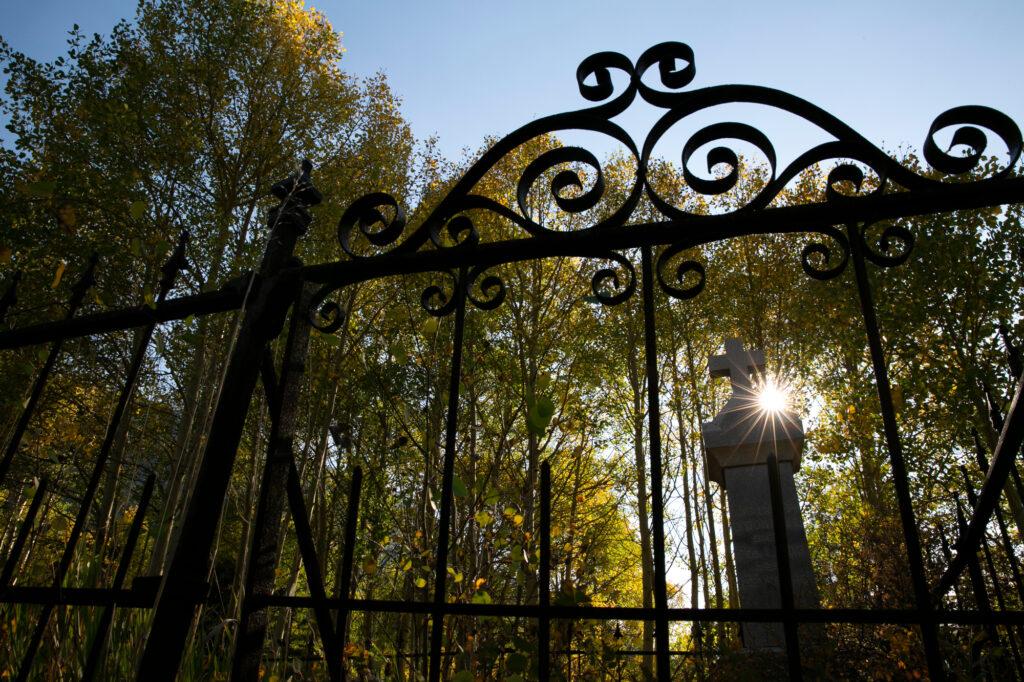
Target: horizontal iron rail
x,y
695,231
882,616
229,297
143,598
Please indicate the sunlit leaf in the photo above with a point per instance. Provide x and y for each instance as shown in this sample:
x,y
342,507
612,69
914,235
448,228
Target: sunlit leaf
x,y
57,275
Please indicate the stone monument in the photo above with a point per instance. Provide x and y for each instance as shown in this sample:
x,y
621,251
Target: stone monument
x,y
737,443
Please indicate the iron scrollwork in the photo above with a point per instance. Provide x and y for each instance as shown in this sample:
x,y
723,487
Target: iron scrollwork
x,y
379,221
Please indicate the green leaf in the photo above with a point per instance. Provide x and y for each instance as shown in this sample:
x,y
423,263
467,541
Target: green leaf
x,y
138,209
538,414
483,518
462,676
429,327
459,488
481,597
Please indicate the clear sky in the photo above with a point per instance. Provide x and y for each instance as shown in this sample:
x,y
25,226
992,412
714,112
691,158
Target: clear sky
x,y
470,69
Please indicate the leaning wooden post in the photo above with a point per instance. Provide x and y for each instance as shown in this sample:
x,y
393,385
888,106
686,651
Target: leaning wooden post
x,y
184,586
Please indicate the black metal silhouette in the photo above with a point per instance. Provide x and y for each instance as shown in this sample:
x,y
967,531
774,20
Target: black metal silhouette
x,y
377,243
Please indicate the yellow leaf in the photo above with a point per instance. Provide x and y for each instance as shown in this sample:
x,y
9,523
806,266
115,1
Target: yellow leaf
x,y
429,326
370,567
58,274
421,583
517,519
478,583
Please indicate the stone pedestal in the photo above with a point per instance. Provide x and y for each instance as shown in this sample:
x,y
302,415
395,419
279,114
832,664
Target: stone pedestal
x,y
737,443
753,537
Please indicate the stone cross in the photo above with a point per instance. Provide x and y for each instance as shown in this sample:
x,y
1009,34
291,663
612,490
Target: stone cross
x,y
737,364
736,447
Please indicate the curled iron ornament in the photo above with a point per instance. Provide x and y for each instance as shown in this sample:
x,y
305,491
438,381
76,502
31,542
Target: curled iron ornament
x,y
822,252
365,213
662,76
436,301
607,285
492,289
460,231
893,236
686,269
562,180
323,315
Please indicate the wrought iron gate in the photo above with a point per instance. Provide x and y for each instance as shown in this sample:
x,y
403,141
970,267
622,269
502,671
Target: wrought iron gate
x,y
446,242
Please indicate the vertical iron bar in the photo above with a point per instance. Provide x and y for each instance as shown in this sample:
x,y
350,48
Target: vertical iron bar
x,y
19,543
922,599
785,575
78,292
544,589
314,576
99,641
10,297
661,649
261,567
447,476
184,585
347,557
170,272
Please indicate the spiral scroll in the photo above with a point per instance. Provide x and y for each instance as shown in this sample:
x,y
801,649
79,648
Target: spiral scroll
x,y
578,184
438,302
817,257
607,285
365,213
688,278
893,245
491,287
323,315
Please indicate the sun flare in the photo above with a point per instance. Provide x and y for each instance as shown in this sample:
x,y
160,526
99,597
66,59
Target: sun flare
x,y
772,397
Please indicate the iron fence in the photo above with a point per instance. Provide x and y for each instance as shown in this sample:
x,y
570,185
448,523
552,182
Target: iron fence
x,y
446,242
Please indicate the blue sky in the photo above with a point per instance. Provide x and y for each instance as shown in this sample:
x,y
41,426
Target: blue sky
x,y
470,69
